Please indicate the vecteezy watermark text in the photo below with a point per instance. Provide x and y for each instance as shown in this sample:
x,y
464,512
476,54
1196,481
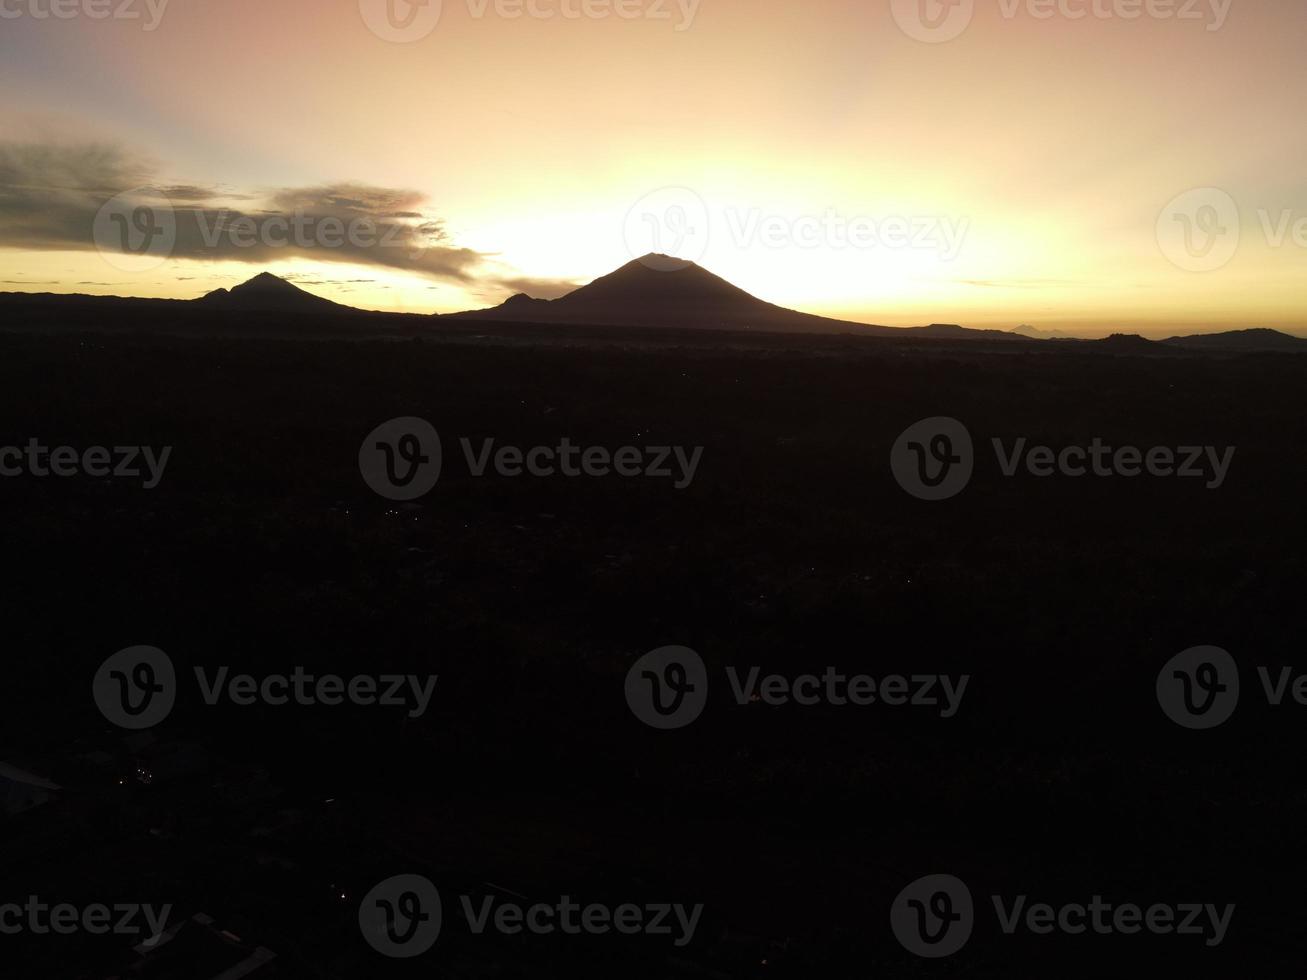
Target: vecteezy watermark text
x,y
402,460
151,11
408,21
137,688
677,222
139,230
402,917
939,21
64,919
668,688
120,462
934,459
301,230
934,917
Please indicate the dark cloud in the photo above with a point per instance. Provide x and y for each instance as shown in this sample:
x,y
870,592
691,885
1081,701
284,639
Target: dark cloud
x,y
50,195
310,280
191,192
29,171
350,198
538,288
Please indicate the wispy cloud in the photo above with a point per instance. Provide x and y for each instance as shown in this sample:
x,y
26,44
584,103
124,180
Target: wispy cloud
x,y
1018,283
52,192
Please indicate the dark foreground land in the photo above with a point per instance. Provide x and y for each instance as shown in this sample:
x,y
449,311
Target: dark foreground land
x,y
794,549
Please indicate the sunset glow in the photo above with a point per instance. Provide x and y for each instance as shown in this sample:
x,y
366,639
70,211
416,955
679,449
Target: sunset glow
x,y
1018,173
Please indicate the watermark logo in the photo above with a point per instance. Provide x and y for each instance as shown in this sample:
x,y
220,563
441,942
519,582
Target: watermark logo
x,y
668,229
833,231
933,459
934,916
401,21
1099,459
1203,230
668,687
652,10
410,691
1199,688
223,230
1199,231
136,231
938,21
401,917
834,688
406,21
1211,13
1104,918
136,688
571,918
401,459
933,21
672,227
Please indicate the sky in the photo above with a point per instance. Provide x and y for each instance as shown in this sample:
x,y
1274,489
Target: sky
x,y
1084,166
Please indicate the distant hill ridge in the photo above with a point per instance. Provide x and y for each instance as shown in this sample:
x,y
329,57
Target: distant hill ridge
x,y
1258,338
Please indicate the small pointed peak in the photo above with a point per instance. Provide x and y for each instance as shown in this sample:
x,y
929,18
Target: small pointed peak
x,y
268,292
266,279
661,263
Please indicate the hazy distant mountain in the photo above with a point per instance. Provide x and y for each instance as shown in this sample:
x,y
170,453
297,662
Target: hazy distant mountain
x,y
266,293
1034,333
1241,340
947,331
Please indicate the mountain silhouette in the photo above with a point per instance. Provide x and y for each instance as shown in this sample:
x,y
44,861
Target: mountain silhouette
x,y
1260,339
1034,333
655,291
1129,343
661,280
660,291
266,293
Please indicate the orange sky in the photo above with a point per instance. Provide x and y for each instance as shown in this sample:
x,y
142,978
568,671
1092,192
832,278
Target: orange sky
x,y
1028,170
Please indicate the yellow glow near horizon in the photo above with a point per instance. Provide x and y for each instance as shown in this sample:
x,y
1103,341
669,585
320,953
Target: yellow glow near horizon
x,y
1054,143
